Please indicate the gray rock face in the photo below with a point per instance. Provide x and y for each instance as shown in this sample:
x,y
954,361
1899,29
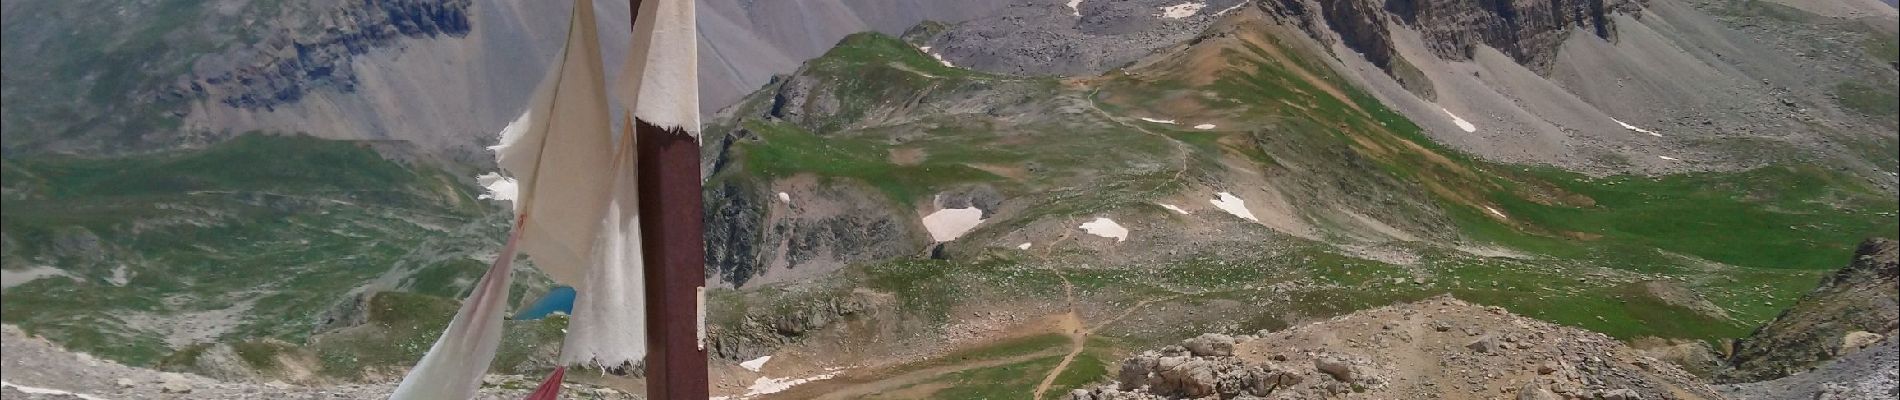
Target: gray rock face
x,y
1210,345
1530,31
1863,297
1873,373
762,331
734,226
283,67
831,225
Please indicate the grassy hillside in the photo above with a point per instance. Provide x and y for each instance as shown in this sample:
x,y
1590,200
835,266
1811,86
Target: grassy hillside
x,y
260,242
1704,256
253,238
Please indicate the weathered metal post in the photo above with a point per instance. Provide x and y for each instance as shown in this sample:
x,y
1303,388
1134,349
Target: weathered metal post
x,y
674,254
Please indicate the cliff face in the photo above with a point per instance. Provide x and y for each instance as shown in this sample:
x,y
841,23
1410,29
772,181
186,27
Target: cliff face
x,y
1854,307
1529,31
291,62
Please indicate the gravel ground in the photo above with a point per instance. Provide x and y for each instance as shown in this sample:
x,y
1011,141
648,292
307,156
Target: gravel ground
x,y
34,369
1873,373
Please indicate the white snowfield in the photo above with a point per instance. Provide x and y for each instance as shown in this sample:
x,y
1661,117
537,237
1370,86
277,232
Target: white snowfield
x,y
1233,205
1495,211
950,223
1668,158
1236,6
755,364
1158,121
770,385
1107,228
1634,128
785,197
1461,122
1024,246
55,392
1183,10
1075,7
939,57
1171,207
1204,126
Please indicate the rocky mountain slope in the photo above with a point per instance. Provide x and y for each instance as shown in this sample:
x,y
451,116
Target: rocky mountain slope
x,y
1440,348
1869,373
442,75
1602,87
1075,38
893,220
1853,308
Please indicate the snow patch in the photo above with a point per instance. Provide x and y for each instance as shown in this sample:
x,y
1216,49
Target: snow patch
x,y
1171,207
1462,123
1107,228
1158,121
496,187
1495,211
769,385
120,276
1668,158
949,223
939,57
1024,246
1183,10
755,364
1233,205
1231,9
55,392
11,278
1204,126
1634,128
1075,7
785,197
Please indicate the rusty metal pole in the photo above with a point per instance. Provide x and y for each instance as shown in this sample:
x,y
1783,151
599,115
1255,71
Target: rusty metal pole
x,y
673,250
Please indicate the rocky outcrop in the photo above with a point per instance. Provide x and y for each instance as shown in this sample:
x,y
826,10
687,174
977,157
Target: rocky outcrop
x,y
734,220
1530,31
829,225
290,62
1437,348
761,331
1873,373
1854,304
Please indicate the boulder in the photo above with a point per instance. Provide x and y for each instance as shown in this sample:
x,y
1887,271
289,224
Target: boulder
x,y
1338,368
1210,345
1534,391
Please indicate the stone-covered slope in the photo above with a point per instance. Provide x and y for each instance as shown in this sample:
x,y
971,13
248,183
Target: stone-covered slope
x,y
1854,307
1601,87
1439,348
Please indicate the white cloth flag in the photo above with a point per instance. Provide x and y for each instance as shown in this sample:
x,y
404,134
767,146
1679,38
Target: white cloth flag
x,y
658,85
609,324
454,366
559,154
659,82
576,200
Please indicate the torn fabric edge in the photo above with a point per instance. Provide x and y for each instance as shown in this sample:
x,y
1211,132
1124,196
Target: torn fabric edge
x,y
453,367
659,82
